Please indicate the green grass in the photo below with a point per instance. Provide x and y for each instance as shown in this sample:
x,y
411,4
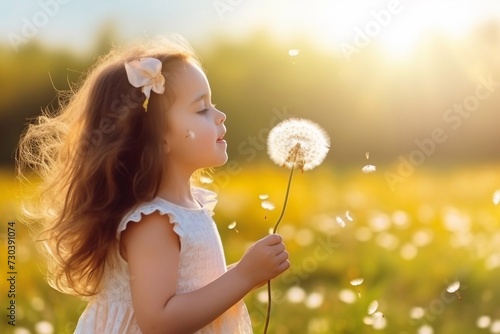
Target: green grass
x,y
408,245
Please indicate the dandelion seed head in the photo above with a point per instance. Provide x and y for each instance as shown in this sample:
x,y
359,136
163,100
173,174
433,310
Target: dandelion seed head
x,y
298,143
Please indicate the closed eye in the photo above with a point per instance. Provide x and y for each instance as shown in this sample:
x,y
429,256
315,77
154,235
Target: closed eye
x,y
206,109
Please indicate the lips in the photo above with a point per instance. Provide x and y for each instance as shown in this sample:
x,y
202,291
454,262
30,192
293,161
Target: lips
x,y
221,139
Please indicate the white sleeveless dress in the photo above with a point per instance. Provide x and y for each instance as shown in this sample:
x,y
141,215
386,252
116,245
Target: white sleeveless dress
x,y
201,261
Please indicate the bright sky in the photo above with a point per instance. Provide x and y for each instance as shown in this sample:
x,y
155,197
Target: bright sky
x,y
334,24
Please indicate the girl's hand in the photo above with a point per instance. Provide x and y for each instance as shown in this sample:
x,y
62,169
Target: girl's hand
x,y
264,260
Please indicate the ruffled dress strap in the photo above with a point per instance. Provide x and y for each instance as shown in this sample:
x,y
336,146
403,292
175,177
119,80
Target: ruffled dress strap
x,y
206,198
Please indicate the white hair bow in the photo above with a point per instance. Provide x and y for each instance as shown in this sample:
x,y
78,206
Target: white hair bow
x,y
146,73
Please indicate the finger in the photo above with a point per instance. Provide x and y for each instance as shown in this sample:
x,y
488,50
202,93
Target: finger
x,y
278,248
274,239
284,265
282,257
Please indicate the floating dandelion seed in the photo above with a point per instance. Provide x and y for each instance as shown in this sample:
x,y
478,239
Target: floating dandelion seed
x,y
267,205
300,144
263,196
357,282
372,308
368,168
293,53
347,216
232,226
341,221
206,179
496,197
453,288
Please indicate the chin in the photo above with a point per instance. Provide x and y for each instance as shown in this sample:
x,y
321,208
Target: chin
x,y
222,161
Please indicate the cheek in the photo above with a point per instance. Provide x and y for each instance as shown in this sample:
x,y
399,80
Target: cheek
x,y
200,134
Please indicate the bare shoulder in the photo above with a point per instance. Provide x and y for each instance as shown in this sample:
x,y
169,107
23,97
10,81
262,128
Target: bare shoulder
x,y
152,250
153,233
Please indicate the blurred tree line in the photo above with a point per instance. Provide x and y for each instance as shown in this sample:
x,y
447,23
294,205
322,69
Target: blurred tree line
x,y
371,103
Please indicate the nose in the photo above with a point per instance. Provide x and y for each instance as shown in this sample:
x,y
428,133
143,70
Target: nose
x,y
221,117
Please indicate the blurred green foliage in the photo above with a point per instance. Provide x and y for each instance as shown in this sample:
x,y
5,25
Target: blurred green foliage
x,y
370,103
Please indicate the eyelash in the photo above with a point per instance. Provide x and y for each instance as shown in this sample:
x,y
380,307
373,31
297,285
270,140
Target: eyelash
x,y
206,109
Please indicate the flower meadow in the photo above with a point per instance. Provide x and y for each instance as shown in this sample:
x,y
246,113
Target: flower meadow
x,y
424,259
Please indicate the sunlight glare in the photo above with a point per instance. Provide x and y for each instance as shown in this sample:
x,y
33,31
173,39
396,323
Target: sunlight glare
x,y
332,23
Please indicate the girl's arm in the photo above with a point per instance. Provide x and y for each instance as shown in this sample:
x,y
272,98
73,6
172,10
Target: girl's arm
x,y
151,249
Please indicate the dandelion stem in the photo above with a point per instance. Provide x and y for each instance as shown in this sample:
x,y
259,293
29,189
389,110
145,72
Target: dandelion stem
x,y
285,201
275,229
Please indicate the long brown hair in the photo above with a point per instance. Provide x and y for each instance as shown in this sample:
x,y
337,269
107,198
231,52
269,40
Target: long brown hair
x,y
97,157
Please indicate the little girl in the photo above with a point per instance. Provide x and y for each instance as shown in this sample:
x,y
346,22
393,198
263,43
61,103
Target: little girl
x,y
123,226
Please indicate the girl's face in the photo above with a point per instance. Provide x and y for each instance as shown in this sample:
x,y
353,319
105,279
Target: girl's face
x,y
194,138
